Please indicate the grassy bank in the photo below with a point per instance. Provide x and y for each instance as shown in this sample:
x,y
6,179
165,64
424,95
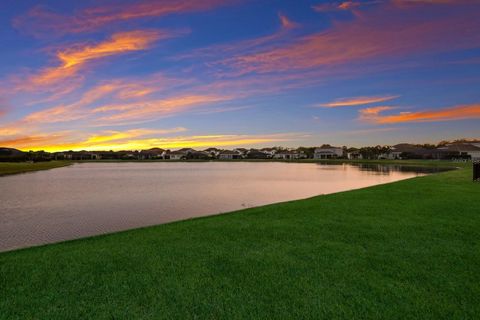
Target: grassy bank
x,y
406,250
21,167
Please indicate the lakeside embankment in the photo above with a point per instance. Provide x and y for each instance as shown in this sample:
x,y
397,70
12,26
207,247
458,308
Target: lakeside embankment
x,y
7,168
410,249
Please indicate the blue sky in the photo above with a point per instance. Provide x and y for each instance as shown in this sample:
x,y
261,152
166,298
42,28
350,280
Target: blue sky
x,y
141,74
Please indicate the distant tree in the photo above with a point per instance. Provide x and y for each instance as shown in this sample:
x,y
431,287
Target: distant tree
x,y
308,151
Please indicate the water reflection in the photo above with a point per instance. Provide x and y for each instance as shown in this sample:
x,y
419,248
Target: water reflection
x,y
383,169
93,198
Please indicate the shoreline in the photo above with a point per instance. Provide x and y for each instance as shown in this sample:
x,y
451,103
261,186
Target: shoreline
x,y
11,168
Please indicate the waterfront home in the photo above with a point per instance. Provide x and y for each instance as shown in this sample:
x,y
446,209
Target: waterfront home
x,y
229,155
257,154
354,155
328,152
287,155
153,153
186,150
82,155
411,151
402,150
62,156
463,150
269,151
213,152
241,151
177,155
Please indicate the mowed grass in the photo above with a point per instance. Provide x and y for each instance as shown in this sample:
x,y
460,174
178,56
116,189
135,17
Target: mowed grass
x,y
406,250
20,167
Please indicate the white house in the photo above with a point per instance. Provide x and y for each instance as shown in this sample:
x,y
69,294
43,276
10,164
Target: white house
x,y
269,151
286,155
229,155
328,152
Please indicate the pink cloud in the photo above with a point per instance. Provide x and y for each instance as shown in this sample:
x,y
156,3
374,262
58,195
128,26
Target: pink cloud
x,y
39,21
367,37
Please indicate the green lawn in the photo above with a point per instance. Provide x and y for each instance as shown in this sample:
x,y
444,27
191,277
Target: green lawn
x,y
406,250
20,167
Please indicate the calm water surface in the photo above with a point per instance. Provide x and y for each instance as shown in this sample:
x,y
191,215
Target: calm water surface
x,y
94,198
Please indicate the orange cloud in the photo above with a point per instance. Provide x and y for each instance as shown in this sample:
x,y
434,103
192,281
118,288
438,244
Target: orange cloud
x,y
461,112
74,58
9,131
55,114
33,142
129,134
357,101
40,22
372,113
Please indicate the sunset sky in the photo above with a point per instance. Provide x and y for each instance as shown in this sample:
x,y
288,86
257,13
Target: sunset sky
x,y
117,75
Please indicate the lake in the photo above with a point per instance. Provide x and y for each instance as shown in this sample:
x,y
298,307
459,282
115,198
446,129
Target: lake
x,y
94,198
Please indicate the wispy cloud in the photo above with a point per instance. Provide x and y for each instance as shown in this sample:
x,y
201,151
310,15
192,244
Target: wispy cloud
x,y
286,22
74,58
372,114
461,112
343,5
6,131
110,136
363,39
33,142
155,109
357,4
39,21
357,101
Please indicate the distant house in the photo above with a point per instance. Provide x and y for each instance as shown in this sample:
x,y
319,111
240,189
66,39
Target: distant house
x,y
62,156
153,153
287,155
229,155
464,150
411,151
186,150
354,155
213,152
241,151
82,155
177,155
269,151
328,152
257,154
403,150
